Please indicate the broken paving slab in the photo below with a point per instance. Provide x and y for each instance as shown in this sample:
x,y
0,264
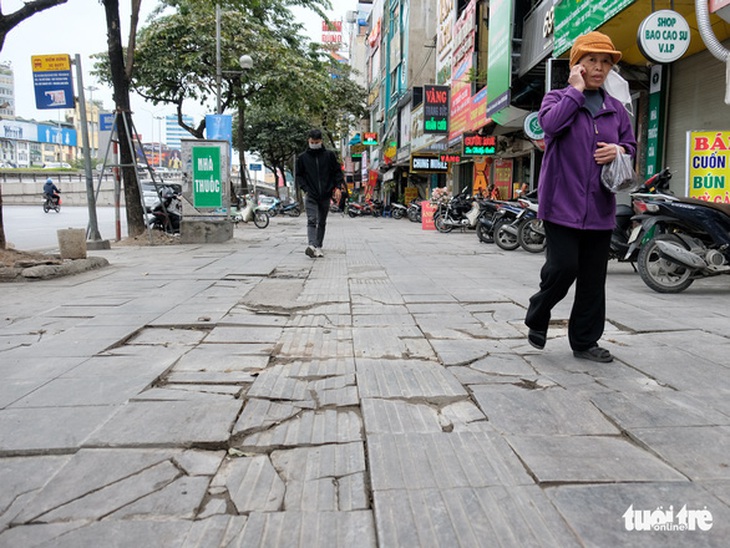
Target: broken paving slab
x,y
595,459
287,529
167,336
504,365
470,516
648,410
71,392
399,417
187,392
547,411
401,342
328,321
465,351
324,461
252,484
92,470
408,379
48,431
700,452
307,428
217,530
597,513
260,414
442,461
168,424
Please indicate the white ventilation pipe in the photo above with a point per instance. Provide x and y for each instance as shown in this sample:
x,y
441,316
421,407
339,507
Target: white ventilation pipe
x,y
714,46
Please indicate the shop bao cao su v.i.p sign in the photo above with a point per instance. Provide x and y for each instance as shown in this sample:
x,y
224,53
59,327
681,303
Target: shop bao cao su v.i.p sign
x,y
207,186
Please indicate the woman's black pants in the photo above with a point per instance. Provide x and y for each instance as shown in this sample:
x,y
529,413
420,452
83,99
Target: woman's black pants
x,y
580,256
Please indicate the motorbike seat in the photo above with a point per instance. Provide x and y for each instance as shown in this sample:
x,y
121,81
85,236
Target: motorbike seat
x,y
722,208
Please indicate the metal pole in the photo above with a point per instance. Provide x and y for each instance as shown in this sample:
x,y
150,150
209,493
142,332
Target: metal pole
x,y
93,230
218,108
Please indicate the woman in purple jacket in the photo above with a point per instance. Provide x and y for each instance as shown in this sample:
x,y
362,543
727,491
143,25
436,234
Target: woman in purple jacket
x,y
584,129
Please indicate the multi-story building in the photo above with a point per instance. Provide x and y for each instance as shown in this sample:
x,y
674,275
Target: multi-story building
x,y
7,90
174,133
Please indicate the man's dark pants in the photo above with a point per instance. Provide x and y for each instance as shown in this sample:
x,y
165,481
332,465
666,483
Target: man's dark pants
x,y
317,211
580,256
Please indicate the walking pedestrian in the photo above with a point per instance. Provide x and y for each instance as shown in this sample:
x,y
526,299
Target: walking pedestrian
x,y
319,176
584,128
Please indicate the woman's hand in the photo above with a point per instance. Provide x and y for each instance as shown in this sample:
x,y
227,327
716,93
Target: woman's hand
x,y
607,152
576,79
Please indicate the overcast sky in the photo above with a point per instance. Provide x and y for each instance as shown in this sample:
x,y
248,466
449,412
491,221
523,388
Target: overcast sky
x,y
79,27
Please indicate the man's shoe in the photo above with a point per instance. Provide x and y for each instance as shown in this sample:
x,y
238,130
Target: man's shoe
x,y
311,251
537,338
318,252
595,354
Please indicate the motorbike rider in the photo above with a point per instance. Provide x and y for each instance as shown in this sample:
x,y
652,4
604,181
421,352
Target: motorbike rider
x,y
51,191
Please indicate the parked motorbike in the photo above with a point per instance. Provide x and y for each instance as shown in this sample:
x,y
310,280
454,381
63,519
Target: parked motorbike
x,y
398,211
507,227
292,209
51,202
629,230
414,211
531,232
684,239
167,214
370,207
251,212
454,213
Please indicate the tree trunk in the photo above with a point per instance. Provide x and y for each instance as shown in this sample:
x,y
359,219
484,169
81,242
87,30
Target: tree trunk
x,y
242,146
3,243
120,81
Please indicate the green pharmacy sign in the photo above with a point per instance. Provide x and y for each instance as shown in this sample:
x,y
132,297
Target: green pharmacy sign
x,y
207,180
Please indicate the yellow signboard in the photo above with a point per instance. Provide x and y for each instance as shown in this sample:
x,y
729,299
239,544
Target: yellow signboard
x,y
708,165
48,63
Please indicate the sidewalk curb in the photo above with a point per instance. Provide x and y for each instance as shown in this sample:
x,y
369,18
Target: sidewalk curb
x,y
49,271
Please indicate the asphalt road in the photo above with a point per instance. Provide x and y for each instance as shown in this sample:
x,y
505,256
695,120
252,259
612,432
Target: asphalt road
x,y
28,228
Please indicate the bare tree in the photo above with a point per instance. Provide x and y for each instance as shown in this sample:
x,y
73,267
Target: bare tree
x,y
7,23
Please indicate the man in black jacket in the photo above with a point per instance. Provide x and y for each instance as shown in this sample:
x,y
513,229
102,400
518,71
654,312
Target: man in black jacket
x,y
319,175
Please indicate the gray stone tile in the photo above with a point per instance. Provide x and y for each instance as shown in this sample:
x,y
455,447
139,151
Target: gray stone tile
x,y
186,392
401,342
238,378
21,366
442,461
274,384
666,408
597,459
168,423
221,357
465,351
13,390
313,343
252,483
551,411
469,516
167,336
72,392
325,461
318,495
307,428
507,364
407,379
244,334
75,534
214,531
44,430
141,361
395,416
286,529
389,316
596,513
700,452
243,316
195,462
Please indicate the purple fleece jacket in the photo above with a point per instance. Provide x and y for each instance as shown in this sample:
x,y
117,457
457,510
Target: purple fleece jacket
x,y
570,190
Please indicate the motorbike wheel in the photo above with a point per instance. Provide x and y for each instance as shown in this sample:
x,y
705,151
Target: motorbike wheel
x,y
660,274
351,213
398,213
46,207
261,219
273,212
504,239
438,221
531,236
295,212
484,234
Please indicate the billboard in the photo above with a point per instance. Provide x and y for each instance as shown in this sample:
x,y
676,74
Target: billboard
x,y
52,81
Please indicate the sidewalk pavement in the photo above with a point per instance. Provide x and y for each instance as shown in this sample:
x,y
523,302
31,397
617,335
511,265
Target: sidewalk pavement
x,y
384,395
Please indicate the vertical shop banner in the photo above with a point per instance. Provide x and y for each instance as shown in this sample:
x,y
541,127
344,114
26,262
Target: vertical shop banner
x,y
436,109
576,17
372,183
499,59
427,211
708,168
654,129
503,177
207,177
444,45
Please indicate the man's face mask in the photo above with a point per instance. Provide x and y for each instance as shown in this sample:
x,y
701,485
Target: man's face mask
x,y
315,145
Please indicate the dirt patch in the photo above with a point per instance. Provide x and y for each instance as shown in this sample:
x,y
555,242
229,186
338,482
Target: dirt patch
x,y
156,237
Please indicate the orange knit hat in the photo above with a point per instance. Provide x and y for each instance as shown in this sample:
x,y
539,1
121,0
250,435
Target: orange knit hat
x,y
593,42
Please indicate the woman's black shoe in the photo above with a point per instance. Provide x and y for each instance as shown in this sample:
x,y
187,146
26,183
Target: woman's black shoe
x,y
537,338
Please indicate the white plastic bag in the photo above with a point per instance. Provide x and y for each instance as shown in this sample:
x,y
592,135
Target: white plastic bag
x,y
619,174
